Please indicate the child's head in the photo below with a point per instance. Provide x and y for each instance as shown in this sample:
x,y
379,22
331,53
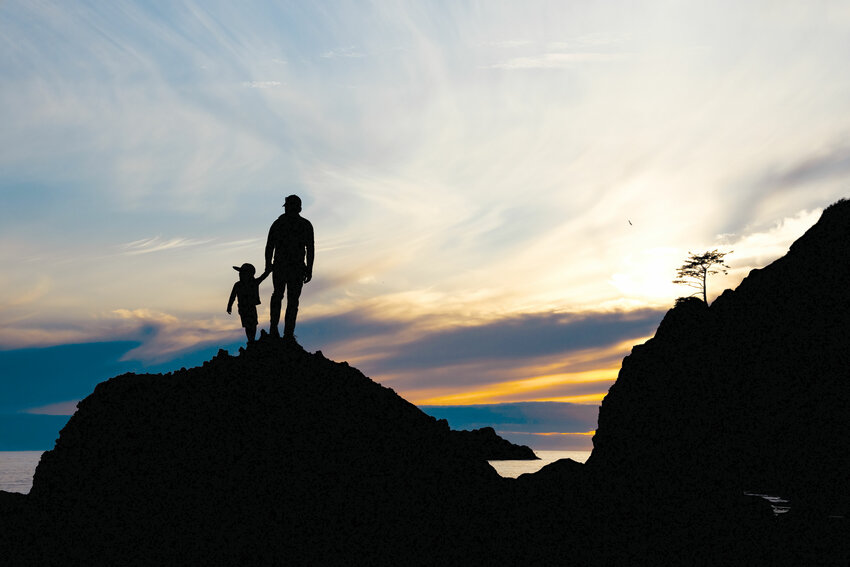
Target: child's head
x,y
246,271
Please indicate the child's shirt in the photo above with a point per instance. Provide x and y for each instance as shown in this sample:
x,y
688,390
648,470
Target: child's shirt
x,y
247,292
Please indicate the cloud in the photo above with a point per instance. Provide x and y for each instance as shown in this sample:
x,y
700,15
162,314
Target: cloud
x,y
567,357
582,443
444,198
522,337
525,417
58,408
158,244
507,43
350,327
343,52
165,335
558,60
828,164
261,84
596,39
758,248
255,243
39,288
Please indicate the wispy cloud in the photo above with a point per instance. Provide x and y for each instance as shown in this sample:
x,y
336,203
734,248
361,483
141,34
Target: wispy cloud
x,y
255,243
829,163
525,336
165,335
556,60
35,291
262,84
59,408
158,244
349,52
596,39
507,43
526,417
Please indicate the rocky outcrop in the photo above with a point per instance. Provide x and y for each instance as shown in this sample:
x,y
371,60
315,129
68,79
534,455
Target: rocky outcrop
x,y
279,456
273,455
485,444
751,393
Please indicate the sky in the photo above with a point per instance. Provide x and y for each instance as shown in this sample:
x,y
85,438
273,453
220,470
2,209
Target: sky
x,y
501,192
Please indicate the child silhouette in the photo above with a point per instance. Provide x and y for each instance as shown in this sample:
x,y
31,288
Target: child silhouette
x,y
247,291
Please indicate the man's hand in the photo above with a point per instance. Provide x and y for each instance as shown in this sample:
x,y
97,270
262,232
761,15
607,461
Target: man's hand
x,y
268,268
308,276
229,311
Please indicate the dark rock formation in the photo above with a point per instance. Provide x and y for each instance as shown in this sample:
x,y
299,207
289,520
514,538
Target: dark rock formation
x,y
751,393
485,444
278,456
274,455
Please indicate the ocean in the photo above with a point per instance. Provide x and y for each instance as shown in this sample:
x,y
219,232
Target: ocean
x,y
18,467
16,470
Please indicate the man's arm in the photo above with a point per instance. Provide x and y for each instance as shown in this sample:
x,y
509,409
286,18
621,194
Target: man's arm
x,y
270,247
311,254
232,297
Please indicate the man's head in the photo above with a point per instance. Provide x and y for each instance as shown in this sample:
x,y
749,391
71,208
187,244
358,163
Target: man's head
x,y
292,204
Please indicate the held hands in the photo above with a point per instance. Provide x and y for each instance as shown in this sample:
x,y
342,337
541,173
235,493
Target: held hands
x,y
229,311
307,276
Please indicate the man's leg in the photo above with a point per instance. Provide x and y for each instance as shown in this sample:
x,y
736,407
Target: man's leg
x,y
277,300
293,292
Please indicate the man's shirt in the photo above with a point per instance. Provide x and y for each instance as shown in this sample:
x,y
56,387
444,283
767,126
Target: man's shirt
x,y
290,236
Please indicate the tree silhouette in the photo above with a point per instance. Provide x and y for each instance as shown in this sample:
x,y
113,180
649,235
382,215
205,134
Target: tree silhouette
x,y
695,271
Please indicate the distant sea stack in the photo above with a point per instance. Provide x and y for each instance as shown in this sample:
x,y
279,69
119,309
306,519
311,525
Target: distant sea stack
x,y
272,455
751,393
485,444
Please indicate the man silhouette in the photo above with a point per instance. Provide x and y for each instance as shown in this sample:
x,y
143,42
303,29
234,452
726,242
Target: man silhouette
x,y
290,241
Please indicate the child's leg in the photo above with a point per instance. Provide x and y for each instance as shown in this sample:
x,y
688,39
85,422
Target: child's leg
x,y
251,332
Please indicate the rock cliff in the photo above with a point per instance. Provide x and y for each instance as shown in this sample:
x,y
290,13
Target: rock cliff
x,y
279,456
751,393
274,454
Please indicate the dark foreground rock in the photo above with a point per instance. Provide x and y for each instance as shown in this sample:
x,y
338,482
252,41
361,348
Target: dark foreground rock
x,y
751,393
279,456
276,454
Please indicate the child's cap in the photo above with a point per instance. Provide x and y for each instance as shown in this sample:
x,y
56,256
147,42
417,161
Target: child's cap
x,y
246,268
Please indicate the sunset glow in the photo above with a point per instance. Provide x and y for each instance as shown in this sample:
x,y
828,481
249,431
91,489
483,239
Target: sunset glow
x,y
501,192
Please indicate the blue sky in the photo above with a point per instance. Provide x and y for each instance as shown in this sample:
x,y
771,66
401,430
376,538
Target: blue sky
x,y
501,192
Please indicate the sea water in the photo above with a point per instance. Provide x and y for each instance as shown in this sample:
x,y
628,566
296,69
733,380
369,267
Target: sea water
x,y
16,470
18,467
512,469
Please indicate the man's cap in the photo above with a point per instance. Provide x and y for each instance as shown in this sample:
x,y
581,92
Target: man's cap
x,y
249,268
292,200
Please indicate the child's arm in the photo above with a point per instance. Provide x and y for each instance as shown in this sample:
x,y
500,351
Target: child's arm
x,y
232,297
264,276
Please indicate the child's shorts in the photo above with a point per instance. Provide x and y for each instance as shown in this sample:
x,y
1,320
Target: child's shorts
x,y
248,314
